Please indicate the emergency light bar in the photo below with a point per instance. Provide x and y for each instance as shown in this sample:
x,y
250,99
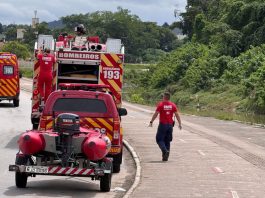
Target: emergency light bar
x,y
83,86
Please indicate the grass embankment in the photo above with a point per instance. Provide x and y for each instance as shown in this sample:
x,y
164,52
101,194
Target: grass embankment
x,y
223,102
26,72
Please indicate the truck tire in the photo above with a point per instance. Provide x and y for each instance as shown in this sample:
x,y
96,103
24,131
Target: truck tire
x,y
21,180
116,168
16,102
105,182
35,123
35,126
117,160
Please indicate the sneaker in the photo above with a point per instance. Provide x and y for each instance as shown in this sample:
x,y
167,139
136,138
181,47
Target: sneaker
x,y
165,156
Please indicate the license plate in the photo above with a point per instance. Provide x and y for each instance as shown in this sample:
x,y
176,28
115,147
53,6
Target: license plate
x,y
37,169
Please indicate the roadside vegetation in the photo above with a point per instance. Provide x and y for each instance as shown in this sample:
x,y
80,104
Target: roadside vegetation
x,y
219,71
26,72
145,41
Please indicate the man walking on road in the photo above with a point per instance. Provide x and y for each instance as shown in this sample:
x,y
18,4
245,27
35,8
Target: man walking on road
x,y
166,110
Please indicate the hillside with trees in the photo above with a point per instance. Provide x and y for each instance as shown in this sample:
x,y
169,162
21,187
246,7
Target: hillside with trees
x,y
220,67
144,41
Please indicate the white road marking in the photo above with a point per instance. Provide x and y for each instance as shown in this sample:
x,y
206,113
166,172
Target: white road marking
x,y
234,194
131,116
201,153
117,189
182,140
218,170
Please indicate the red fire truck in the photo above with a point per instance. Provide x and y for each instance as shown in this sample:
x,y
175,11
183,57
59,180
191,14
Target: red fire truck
x,y
90,63
9,78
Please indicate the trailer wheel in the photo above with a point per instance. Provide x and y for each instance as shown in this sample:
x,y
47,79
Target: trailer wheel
x,y
21,180
16,102
105,182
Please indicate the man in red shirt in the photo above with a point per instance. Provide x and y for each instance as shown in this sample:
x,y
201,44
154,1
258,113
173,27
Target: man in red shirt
x,y
166,110
46,61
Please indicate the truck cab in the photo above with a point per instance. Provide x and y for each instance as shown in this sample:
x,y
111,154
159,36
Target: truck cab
x,y
9,78
96,109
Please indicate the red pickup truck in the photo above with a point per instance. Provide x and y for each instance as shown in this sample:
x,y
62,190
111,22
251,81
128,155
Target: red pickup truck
x,y
96,108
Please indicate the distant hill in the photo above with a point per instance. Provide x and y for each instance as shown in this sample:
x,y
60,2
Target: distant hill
x,y
56,24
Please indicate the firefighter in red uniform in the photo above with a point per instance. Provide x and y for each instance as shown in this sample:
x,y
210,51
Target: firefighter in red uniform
x,y
166,109
46,61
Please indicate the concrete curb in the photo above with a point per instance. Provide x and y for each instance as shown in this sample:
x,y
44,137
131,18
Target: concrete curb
x,y
138,168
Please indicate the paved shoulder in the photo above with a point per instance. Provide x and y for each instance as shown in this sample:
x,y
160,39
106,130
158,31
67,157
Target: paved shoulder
x,y
197,166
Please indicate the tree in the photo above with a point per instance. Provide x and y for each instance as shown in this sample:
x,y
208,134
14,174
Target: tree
x,y
11,32
137,36
1,28
16,48
30,35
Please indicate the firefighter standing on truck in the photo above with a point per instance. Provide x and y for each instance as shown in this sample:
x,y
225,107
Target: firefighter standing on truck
x,y
46,61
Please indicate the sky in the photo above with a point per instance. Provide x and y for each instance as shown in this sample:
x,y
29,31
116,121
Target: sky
x,y
22,11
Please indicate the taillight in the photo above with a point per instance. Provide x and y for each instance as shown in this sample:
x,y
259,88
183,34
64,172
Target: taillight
x,y
116,132
35,94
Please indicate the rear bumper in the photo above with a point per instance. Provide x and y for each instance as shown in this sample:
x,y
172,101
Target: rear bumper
x,y
115,150
8,97
59,171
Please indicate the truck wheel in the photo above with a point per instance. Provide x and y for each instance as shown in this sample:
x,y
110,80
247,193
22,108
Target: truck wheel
x,y
21,180
35,126
116,168
35,123
105,182
117,160
16,102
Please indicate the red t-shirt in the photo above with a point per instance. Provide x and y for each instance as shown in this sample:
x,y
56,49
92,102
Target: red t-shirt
x,y
46,63
166,110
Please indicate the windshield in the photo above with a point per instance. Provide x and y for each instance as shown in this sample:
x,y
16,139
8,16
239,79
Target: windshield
x,y
80,105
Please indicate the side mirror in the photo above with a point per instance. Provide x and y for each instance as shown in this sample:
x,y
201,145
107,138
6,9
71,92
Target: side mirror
x,y
122,111
20,74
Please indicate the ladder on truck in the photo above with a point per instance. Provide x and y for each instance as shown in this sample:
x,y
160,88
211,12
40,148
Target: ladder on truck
x,y
45,41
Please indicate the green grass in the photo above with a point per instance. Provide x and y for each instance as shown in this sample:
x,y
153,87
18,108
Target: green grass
x,y
128,66
26,72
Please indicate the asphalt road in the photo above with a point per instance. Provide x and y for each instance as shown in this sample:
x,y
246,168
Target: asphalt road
x,y
209,158
13,122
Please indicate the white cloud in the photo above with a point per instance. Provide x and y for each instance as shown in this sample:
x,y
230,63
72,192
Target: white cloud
x,y
21,11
